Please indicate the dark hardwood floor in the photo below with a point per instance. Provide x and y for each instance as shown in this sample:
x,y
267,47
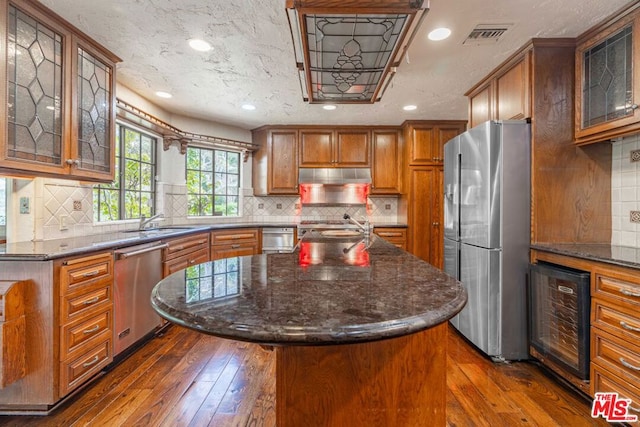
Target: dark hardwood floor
x,y
185,378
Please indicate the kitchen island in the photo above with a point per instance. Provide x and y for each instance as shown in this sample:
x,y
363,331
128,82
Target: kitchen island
x,y
358,326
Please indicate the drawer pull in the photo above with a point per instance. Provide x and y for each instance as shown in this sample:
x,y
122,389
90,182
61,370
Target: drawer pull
x,y
92,362
191,261
628,365
565,290
628,327
91,273
235,246
92,330
633,408
629,293
91,301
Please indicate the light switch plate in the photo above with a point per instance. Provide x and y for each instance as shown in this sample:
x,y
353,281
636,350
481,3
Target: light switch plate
x,y
25,206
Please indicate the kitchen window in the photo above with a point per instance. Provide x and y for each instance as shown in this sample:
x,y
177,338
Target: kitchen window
x,y
213,182
132,194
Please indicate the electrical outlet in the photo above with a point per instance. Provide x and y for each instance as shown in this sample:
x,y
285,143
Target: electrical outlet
x,y
63,222
25,205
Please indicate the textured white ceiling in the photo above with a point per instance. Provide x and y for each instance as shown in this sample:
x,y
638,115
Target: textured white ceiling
x,y
252,60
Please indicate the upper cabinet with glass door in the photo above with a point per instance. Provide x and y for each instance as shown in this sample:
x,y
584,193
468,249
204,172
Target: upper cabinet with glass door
x,y
58,98
608,79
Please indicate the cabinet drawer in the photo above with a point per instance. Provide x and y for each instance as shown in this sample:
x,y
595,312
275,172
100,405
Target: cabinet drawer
x,y
616,355
603,381
74,306
623,288
621,322
76,273
176,264
73,335
183,246
227,251
235,236
77,370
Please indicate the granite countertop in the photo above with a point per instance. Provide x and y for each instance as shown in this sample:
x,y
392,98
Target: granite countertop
x,y
612,254
328,291
52,249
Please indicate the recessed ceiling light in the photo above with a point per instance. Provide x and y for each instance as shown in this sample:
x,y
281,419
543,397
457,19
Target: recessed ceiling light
x,y
409,107
329,107
439,34
163,94
199,45
248,107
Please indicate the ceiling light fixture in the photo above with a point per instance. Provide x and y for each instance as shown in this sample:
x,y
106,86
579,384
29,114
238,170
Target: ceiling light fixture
x,y
329,107
409,107
349,53
162,94
248,107
199,45
439,34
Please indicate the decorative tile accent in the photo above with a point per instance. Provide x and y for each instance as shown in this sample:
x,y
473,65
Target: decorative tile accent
x,y
635,216
625,192
635,156
77,205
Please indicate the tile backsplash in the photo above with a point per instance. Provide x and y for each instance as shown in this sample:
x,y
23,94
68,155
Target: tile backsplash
x,y
62,208
625,192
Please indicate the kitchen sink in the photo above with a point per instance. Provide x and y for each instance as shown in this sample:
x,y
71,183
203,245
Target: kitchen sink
x,y
160,230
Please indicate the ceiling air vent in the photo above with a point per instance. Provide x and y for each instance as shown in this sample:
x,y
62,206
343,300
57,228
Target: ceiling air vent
x,y
486,34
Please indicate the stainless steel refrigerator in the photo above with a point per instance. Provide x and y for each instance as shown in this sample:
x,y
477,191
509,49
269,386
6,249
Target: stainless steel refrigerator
x,y
487,233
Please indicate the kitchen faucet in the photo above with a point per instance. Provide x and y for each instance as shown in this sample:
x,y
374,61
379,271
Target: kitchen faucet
x,y
144,221
366,227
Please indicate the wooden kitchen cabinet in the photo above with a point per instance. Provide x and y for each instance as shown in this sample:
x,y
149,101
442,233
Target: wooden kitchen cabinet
x,y
425,238
608,79
183,252
506,95
386,162
58,99
325,148
615,333
425,139
394,235
86,318
236,242
275,163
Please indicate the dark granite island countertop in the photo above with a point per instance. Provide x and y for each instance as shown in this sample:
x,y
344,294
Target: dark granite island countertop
x,y
359,328
328,291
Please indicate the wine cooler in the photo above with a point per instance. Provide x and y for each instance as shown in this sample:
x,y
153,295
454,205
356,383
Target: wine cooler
x,y
559,304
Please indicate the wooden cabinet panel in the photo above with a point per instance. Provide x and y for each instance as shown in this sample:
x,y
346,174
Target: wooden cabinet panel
x,y
480,106
608,107
275,163
385,172
81,272
424,215
237,242
617,287
76,371
74,306
605,382
75,334
316,148
182,252
616,356
352,148
76,139
512,92
425,140
394,235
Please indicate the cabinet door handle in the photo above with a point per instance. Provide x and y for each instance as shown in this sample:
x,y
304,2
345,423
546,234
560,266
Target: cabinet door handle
x,y
629,293
91,273
628,327
96,299
93,362
628,365
633,107
92,330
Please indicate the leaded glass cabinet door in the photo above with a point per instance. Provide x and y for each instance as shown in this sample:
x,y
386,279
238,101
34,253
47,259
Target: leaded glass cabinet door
x,y
35,94
608,81
94,81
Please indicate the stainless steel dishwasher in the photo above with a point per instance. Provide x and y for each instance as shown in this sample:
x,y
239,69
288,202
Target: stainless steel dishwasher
x,y
277,240
137,270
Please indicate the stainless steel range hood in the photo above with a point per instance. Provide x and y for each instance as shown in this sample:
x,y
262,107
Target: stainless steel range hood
x,y
334,186
334,176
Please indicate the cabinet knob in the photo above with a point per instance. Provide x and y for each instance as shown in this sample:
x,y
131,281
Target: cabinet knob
x,y
436,224
73,162
633,106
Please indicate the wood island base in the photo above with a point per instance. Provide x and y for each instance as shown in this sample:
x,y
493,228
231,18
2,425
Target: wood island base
x,y
394,382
